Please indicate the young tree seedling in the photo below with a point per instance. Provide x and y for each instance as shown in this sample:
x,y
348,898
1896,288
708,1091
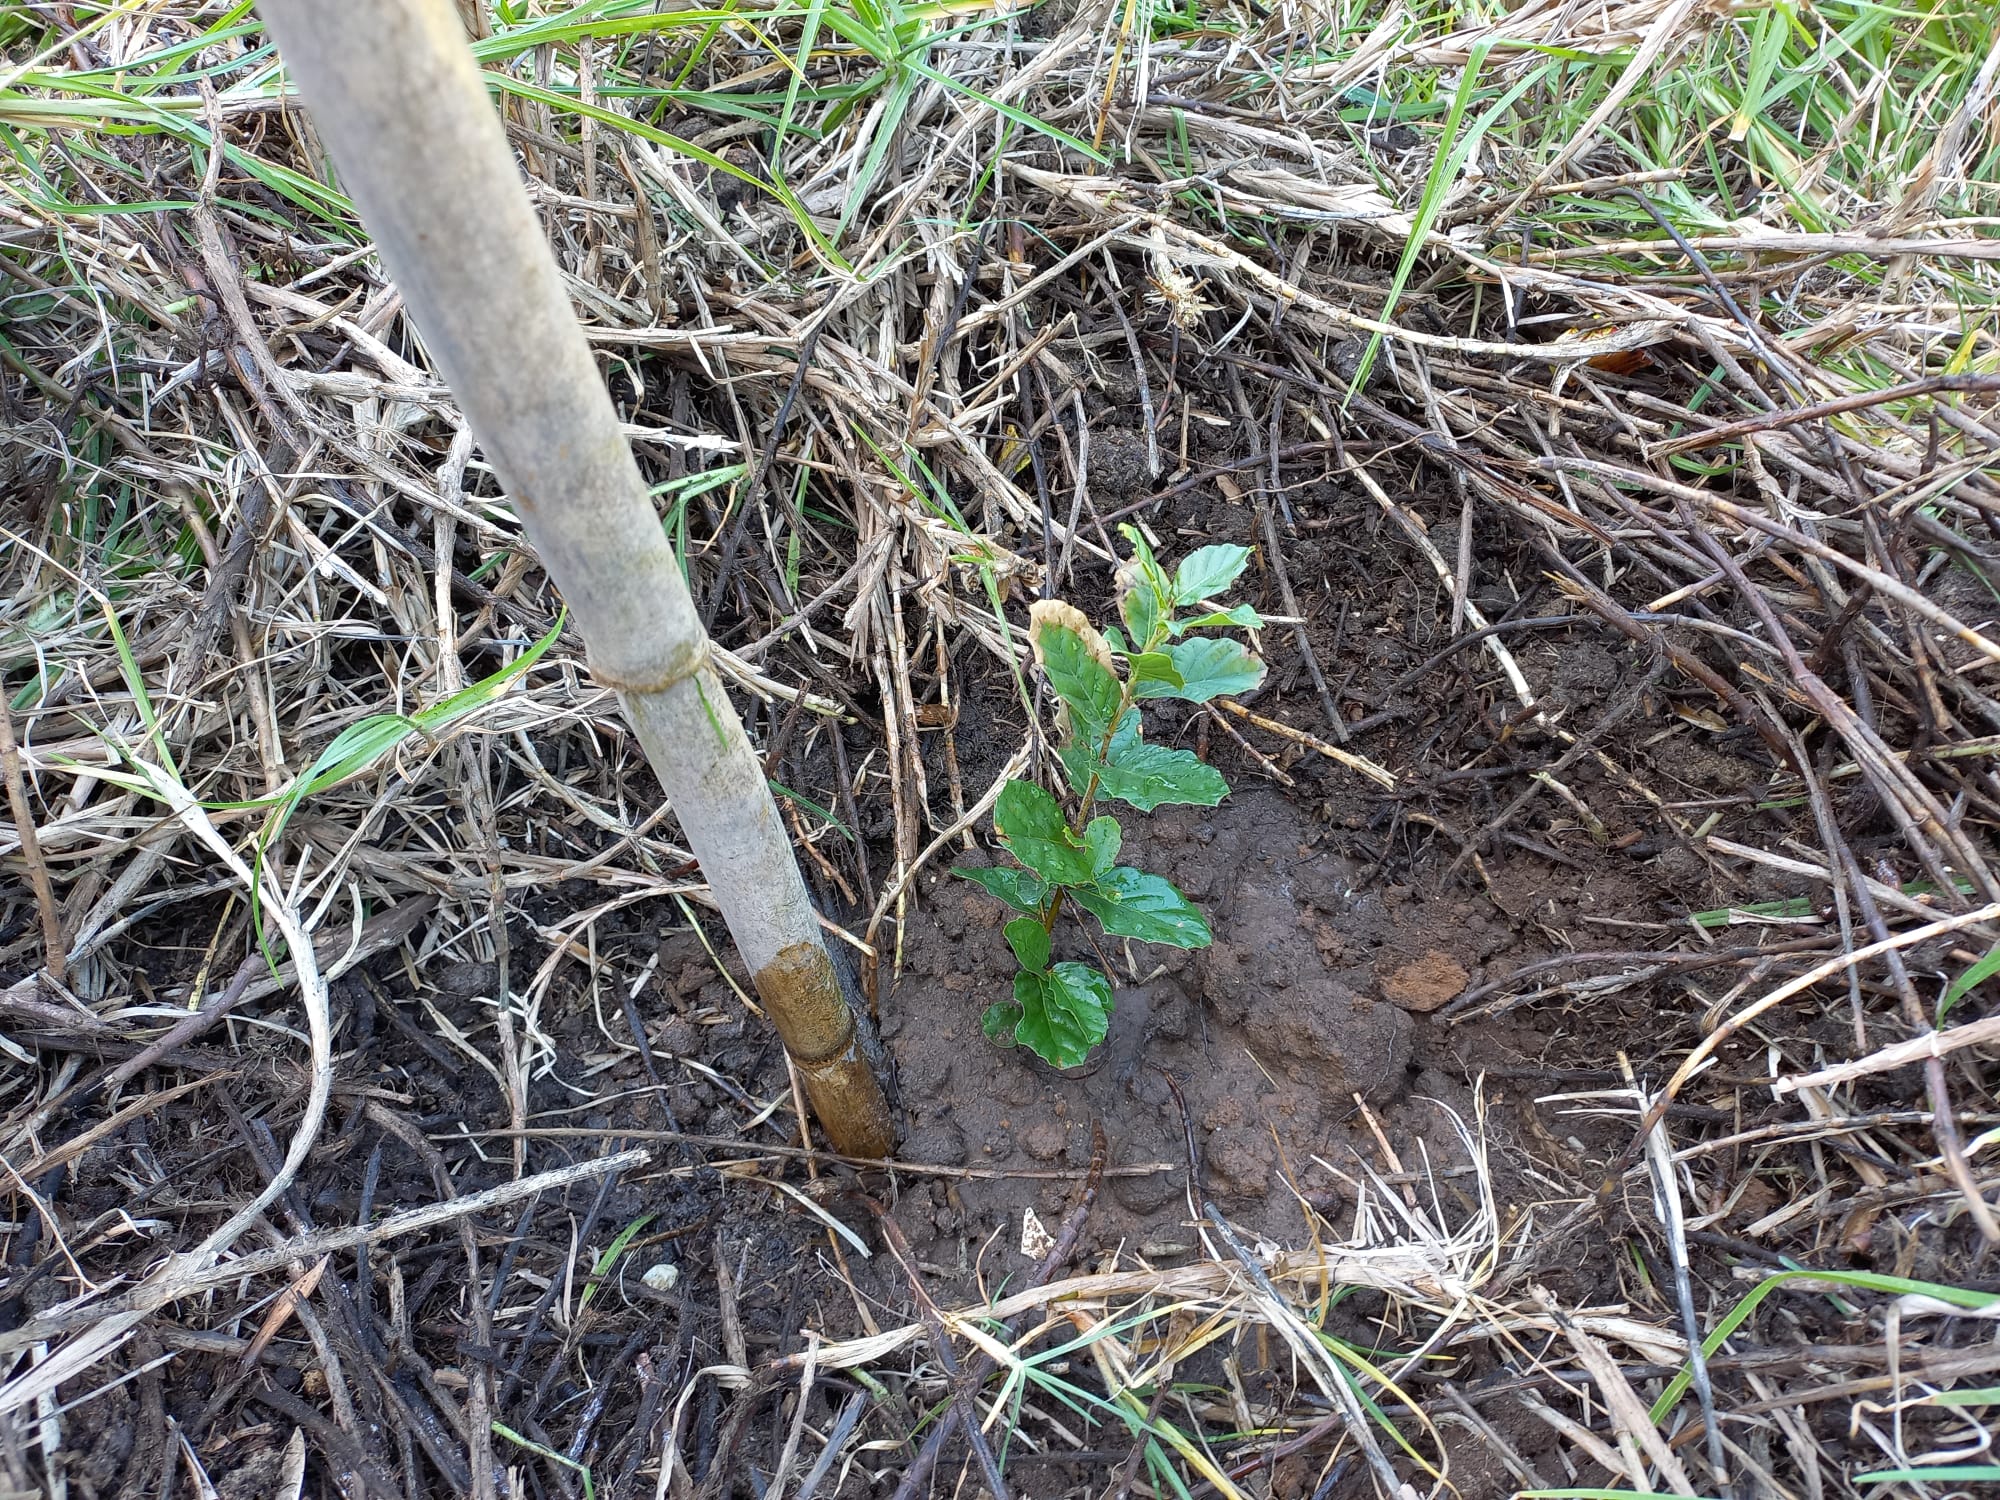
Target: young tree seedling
x,y
1061,1011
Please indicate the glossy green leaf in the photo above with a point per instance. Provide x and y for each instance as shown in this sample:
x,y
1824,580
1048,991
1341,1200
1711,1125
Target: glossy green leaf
x,y
1078,758
1102,838
998,1021
1064,1014
1154,675
1133,904
1243,616
1211,666
1020,889
1145,776
1080,680
1142,554
1030,941
1140,609
1207,571
1037,834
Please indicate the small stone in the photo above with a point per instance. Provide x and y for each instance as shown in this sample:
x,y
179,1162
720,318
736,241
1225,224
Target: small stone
x,y
663,1277
1424,985
1173,1015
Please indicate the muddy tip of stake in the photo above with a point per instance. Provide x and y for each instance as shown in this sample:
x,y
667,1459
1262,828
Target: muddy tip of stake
x,y
831,1046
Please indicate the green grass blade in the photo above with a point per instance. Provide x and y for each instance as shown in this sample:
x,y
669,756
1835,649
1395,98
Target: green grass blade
x,y
1867,1281
601,1268
1453,151
568,104
1990,1473
1974,976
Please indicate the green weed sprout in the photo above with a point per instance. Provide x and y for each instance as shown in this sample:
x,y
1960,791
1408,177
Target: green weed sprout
x,y
1060,1011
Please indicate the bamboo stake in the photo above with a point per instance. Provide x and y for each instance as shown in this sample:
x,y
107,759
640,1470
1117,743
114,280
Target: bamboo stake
x,y
400,105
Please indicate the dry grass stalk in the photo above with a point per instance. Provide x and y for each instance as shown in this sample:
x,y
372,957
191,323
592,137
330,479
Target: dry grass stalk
x,y
224,428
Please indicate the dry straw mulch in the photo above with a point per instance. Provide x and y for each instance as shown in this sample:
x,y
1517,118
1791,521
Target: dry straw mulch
x,y
1731,408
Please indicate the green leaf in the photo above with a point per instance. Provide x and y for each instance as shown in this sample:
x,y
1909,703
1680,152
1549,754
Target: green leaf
x,y
1078,757
1975,975
1207,571
1064,1014
1143,775
1038,835
570,104
1211,666
1030,941
1985,1395
1933,1474
1868,1281
1154,675
1080,680
612,1252
1243,616
1018,888
1133,904
363,745
1142,552
1140,609
1102,839
998,1021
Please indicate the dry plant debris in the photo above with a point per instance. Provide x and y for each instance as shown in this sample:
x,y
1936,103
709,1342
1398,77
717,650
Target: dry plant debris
x,y
1608,395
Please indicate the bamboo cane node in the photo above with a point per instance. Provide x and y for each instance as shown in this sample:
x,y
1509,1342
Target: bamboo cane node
x,y
689,661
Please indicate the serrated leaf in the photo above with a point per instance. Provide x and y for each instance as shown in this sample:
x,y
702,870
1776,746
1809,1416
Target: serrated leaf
x,y
1154,675
1036,833
1080,680
1064,1014
1130,903
1102,839
1207,571
1020,889
1030,941
1213,665
998,1021
1243,616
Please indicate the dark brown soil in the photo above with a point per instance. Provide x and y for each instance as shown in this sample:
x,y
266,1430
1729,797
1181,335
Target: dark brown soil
x,y
1274,1036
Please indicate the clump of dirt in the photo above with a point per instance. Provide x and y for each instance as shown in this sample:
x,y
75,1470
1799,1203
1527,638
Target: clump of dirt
x,y
1276,1036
